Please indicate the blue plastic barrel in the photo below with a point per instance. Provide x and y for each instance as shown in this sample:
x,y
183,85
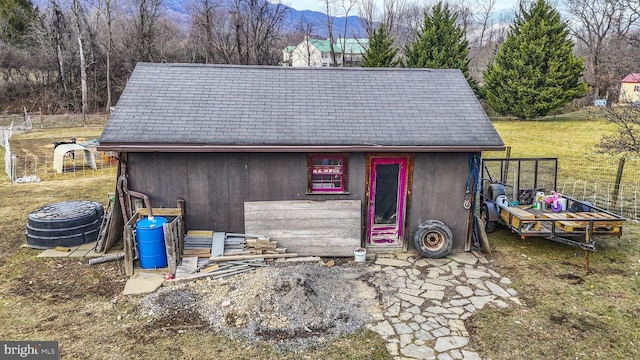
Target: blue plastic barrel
x,y
151,250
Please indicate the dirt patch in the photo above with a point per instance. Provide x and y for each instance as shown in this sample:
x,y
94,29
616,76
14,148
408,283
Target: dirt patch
x,y
572,278
287,305
67,279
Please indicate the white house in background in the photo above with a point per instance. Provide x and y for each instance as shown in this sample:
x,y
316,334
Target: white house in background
x,y
287,55
317,53
630,89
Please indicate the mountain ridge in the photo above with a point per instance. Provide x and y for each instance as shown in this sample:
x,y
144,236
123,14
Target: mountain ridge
x,y
291,23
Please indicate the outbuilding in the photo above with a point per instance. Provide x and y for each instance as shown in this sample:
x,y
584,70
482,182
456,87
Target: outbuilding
x,y
323,159
630,89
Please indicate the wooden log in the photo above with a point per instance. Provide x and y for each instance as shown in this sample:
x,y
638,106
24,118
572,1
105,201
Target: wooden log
x,y
247,257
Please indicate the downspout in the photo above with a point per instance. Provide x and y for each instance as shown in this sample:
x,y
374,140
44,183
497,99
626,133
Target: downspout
x,y
122,188
122,185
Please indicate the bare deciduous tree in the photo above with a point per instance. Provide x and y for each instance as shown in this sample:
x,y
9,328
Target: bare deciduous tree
x,y
77,15
347,6
257,26
59,27
145,25
626,139
109,45
596,24
304,29
400,17
329,7
202,18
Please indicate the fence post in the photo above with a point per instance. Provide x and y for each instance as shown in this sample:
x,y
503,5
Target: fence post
x,y
505,174
616,186
14,159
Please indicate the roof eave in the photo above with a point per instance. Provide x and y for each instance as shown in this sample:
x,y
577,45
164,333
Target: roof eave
x,y
291,148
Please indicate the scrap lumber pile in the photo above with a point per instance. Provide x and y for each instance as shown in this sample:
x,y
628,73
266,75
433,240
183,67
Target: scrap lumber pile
x,y
193,269
221,246
263,245
197,243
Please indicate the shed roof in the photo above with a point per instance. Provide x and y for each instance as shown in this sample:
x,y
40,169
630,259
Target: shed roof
x,y
632,78
195,107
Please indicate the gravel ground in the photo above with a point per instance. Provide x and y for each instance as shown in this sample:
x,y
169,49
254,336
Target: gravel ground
x,y
293,306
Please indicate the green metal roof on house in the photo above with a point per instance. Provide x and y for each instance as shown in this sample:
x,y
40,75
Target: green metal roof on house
x,y
354,46
323,45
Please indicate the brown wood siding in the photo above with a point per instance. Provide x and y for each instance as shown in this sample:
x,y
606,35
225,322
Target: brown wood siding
x,y
438,188
216,185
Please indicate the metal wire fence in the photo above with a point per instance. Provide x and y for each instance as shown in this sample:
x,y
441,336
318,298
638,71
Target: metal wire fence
x,y
611,184
30,168
608,183
35,168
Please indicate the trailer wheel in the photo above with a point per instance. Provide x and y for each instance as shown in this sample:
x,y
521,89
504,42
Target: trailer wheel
x,y
489,226
433,239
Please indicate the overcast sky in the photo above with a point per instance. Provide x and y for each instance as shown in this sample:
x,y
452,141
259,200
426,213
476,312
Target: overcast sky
x,y
316,5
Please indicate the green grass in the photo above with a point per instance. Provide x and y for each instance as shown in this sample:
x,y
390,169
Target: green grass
x,y
81,306
568,314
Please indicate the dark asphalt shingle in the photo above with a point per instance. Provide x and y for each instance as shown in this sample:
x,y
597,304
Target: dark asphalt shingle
x,y
251,105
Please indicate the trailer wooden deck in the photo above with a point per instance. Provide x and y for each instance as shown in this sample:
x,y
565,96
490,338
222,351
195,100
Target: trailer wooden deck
x,y
544,223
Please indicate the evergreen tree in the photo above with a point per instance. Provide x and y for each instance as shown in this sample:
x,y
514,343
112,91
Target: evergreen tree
x,y
440,44
15,18
534,71
381,52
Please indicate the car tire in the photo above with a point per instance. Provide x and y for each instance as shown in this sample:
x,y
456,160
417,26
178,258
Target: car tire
x,y
433,239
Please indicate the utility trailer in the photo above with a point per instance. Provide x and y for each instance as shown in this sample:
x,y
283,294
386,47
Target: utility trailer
x,y
510,200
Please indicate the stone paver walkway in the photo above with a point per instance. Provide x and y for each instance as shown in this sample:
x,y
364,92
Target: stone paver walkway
x,y
426,301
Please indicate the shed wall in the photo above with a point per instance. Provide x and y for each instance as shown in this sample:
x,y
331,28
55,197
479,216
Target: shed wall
x,y
438,189
216,185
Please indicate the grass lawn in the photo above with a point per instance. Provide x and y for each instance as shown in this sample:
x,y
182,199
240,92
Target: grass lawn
x,y
566,313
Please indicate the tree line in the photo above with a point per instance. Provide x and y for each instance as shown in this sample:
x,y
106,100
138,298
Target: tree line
x,y
77,55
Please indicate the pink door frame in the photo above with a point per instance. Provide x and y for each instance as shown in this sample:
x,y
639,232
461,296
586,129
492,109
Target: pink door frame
x,y
388,235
